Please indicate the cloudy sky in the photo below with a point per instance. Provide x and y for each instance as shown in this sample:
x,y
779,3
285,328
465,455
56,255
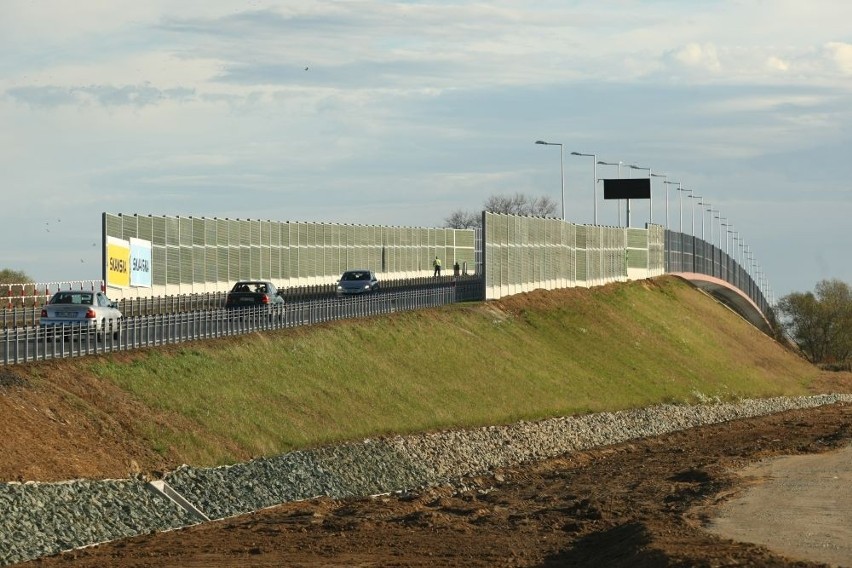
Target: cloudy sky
x,y
399,113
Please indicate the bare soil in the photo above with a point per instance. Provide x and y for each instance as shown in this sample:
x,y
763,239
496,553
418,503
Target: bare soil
x,y
639,504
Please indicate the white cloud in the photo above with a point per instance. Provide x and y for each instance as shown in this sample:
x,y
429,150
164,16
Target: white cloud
x,y
841,54
777,64
699,57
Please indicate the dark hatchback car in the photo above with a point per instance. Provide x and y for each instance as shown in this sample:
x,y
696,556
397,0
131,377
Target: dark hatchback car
x,y
360,281
254,294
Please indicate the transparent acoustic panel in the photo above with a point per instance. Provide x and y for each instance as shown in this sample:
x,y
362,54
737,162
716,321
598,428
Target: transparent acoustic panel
x,y
637,258
222,264
172,265
199,259
185,231
128,227
255,262
158,225
254,233
210,269
145,228
265,233
185,259
158,268
265,263
172,232
113,225
245,233
198,232
222,232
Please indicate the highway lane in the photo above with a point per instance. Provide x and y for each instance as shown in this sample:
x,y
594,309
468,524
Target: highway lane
x,y
30,343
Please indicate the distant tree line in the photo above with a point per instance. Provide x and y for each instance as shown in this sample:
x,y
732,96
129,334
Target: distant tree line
x,y
9,276
820,322
517,204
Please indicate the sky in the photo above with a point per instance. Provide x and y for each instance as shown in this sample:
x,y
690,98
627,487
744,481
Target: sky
x,y
399,113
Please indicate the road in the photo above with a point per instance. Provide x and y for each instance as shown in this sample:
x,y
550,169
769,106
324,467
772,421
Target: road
x,y
28,343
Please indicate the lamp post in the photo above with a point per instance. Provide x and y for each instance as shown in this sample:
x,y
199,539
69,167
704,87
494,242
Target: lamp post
x,y
693,197
727,232
667,184
720,218
728,227
711,211
682,190
735,238
561,170
702,204
650,200
594,181
618,163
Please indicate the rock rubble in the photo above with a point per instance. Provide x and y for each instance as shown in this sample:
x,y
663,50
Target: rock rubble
x,y
45,518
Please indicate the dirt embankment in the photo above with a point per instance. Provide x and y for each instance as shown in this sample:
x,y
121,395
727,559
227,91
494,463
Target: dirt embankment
x,y
639,504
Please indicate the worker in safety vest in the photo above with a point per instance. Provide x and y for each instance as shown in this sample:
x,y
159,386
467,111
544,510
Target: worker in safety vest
x,y
437,264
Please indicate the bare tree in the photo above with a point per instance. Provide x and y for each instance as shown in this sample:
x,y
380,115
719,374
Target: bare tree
x,y
543,206
461,219
516,204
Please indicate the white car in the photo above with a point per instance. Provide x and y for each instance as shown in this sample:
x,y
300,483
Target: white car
x,y
73,313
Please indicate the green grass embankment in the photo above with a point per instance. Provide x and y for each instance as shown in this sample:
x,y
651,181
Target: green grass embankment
x,y
526,357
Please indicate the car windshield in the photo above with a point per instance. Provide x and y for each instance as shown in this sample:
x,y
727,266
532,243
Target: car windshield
x,y
351,276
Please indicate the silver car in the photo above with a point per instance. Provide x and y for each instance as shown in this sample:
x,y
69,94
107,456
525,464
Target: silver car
x,y
360,281
73,313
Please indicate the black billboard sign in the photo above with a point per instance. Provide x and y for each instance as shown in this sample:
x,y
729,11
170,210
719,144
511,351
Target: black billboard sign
x,y
637,188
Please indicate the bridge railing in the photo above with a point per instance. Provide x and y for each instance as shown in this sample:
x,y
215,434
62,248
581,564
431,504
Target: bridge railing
x,y
685,253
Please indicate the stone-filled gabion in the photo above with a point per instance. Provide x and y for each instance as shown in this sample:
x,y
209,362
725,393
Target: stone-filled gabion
x,y
45,518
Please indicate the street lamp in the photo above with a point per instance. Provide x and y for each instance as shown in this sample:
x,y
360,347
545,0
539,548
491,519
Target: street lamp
x,y
618,163
650,200
682,190
711,211
728,231
594,181
693,197
561,170
703,203
720,227
667,184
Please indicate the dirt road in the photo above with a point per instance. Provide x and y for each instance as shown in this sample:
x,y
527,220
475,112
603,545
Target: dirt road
x,y
638,504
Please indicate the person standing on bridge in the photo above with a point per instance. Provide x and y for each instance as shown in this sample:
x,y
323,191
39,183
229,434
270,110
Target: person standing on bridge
x,y
437,264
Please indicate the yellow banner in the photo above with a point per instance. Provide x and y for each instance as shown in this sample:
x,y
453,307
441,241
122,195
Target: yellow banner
x,y
118,263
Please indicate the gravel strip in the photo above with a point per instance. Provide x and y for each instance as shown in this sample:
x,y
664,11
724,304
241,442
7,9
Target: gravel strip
x,y
44,518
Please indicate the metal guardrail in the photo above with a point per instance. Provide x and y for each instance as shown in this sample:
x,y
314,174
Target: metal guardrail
x,y
24,344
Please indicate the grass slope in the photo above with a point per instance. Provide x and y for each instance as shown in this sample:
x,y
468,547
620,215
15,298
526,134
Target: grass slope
x,y
525,357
